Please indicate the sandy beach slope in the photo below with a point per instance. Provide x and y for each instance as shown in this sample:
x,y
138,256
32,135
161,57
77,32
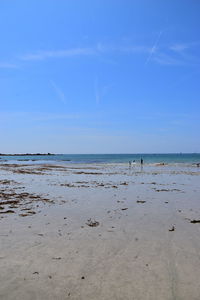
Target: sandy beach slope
x,y
99,232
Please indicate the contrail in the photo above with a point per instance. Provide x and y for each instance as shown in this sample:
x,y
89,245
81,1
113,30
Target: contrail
x,y
153,48
96,90
58,91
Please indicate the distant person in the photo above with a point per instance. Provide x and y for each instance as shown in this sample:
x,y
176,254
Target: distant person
x,y
129,163
141,161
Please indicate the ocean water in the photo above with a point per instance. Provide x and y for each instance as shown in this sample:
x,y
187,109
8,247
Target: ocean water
x,y
189,158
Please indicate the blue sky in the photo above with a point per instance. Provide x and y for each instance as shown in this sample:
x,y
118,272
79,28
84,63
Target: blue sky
x,y
99,76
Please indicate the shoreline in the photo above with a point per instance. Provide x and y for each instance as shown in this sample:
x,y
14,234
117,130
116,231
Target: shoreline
x,y
68,163
132,159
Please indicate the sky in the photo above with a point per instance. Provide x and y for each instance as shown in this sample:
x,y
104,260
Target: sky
x,y
99,76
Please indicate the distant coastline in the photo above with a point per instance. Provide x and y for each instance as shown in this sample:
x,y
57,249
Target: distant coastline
x,y
26,154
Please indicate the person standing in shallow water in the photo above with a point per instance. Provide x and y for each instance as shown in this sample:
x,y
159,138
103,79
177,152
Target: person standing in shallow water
x,y
141,161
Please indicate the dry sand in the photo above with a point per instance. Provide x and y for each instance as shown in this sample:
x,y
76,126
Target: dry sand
x,y
99,232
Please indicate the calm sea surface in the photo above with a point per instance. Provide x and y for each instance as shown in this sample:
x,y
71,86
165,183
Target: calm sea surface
x,y
189,158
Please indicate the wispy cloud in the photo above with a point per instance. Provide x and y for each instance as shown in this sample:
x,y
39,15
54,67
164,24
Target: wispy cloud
x,y
183,46
166,59
85,51
35,116
53,117
182,54
5,65
179,47
58,91
41,55
105,48
174,54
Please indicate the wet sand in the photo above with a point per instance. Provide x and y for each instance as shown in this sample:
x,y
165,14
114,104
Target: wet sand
x,y
99,232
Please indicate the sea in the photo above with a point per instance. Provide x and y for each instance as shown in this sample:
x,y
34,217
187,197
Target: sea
x,y
171,158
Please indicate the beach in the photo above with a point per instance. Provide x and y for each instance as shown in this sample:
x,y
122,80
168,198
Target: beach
x,y
99,231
